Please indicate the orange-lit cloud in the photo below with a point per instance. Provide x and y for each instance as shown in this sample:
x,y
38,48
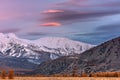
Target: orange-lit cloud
x,y
53,11
51,24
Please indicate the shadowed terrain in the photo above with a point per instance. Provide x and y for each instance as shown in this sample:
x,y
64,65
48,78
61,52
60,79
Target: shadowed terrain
x,y
103,58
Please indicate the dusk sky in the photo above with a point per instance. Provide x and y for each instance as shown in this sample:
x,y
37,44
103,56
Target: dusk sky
x,y
91,21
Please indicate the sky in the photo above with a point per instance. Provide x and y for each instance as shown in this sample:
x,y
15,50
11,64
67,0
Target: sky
x,y
91,21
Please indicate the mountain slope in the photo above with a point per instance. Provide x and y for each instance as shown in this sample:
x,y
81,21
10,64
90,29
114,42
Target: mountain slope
x,y
19,65
105,57
40,50
15,63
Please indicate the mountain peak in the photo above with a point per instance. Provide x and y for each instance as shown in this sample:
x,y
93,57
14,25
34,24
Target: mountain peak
x,y
58,41
2,35
52,47
11,35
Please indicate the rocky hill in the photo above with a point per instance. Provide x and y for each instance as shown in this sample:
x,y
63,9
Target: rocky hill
x,y
102,58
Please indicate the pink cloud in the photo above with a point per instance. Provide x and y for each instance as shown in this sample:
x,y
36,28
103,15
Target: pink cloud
x,y
4,16
53,11
51,24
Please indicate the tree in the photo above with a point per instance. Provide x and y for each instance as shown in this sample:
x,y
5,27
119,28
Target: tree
x,y
74,72
3,74
11,74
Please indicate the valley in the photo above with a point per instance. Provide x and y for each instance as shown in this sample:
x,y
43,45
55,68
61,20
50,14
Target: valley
x,y
60,39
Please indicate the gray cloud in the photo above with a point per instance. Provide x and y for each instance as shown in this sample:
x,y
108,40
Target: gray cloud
x,y
69,16
92,34
82,11
9,30
37,34
96,37
109,28
89,3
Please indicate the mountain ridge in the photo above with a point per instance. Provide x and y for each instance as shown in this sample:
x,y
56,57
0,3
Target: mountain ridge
x,y
40,50
102,58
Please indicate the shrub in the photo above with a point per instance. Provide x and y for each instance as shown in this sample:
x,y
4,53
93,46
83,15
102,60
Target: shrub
x,y
3,74
84,75
106,74
11,74
74,72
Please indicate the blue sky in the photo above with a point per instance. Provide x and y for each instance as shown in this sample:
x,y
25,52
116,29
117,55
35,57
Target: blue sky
x,y
91,21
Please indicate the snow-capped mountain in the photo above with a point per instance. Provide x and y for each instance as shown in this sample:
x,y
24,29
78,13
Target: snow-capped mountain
x,y
40,50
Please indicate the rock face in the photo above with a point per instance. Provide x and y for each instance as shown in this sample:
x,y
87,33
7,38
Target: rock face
x,y
105,57
40,50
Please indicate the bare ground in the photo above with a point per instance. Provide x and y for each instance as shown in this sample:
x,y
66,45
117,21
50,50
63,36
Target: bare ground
x,y
61,78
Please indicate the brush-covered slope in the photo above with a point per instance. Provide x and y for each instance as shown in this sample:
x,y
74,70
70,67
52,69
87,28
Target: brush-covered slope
x,y
105,57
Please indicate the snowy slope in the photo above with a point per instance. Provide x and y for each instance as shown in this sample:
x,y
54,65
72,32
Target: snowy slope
x,y
40,50
63,46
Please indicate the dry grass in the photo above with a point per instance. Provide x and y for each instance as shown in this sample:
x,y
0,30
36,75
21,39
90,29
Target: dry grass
x,y
106,74
62,78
